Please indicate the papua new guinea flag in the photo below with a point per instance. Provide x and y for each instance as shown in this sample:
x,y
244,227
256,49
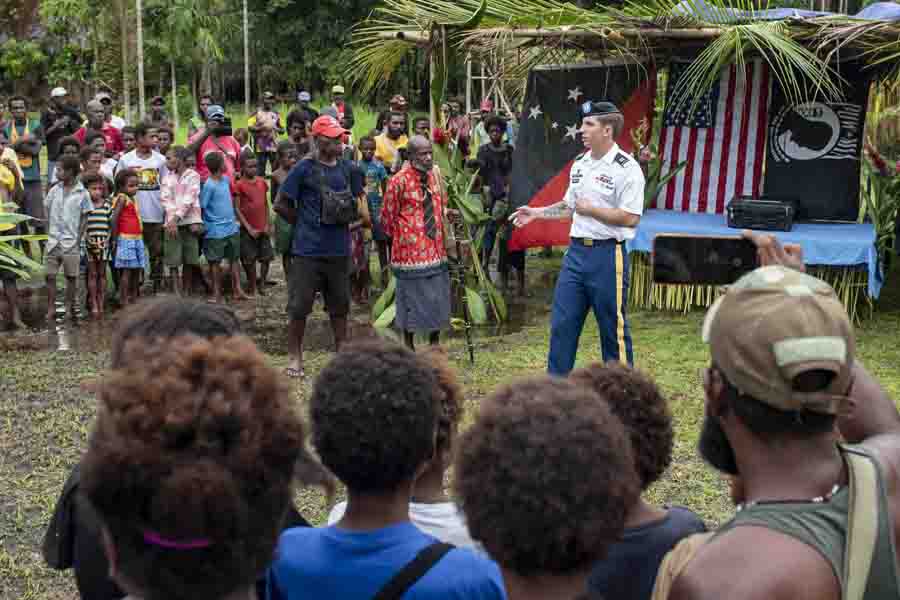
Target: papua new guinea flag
x,y
548,140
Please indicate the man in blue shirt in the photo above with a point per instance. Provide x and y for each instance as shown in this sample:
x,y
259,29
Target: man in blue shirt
x,y
320,252
374,412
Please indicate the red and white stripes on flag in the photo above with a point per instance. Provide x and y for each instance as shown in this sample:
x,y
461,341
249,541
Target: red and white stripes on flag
x,y
723,141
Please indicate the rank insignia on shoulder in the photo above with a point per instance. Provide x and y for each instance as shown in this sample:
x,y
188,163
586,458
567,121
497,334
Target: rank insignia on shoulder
x,y
621,159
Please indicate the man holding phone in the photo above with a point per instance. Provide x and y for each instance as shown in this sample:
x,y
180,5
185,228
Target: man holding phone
x,y
605,200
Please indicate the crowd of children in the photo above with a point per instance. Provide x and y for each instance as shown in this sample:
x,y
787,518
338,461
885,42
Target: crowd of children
x,y
166,208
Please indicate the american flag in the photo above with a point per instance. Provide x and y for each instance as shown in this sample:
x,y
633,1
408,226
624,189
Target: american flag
x,y
722,140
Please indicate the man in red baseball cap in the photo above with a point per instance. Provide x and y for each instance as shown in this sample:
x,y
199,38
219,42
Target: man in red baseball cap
x,y
319,198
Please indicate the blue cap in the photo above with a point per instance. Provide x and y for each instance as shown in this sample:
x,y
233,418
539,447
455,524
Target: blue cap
x,y
215,112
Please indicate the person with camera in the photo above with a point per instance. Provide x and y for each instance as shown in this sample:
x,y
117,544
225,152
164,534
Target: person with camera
x,y
319,199
216,137
605,200
809,439
414,217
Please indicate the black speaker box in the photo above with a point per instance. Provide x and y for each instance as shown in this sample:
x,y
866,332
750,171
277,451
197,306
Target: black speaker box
x,y
744,212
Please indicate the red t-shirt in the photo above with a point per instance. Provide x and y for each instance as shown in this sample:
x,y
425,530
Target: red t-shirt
x,y
129,225
251,197
232,151
112,136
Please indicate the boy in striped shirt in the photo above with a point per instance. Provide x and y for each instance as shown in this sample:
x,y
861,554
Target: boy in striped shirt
x,y
97,232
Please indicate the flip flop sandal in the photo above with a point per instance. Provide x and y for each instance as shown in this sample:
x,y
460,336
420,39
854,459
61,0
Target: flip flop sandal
x,y
293,373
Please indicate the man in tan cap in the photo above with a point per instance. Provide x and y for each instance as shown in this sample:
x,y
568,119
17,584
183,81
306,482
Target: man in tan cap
x,y
343,108
782,389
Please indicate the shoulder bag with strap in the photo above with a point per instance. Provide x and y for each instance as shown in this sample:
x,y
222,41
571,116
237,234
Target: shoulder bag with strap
x,y
407,577
225,155
338,208
862,524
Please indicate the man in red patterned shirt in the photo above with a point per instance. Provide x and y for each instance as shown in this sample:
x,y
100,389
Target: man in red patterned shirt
x,y
414,217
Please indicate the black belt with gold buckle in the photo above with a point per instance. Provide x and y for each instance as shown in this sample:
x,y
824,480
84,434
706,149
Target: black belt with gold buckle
x,y
592,242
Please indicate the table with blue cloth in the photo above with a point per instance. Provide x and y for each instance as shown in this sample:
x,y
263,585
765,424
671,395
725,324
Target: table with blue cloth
x,y
849,246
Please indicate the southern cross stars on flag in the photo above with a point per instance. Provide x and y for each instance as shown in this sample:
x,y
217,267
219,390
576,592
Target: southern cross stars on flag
x,y
572,131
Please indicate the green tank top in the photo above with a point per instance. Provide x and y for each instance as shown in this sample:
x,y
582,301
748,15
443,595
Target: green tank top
x,y
823,526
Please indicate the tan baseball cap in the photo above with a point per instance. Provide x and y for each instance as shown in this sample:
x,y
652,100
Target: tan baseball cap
x,y
774,324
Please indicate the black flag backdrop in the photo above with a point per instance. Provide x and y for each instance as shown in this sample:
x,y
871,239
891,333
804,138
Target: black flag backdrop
x,y
813,150
548,139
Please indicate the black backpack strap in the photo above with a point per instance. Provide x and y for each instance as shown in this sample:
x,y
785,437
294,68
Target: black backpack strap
x,y
413,571
319,176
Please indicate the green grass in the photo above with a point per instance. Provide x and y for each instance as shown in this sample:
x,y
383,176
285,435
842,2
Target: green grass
x,y
364,119
45,416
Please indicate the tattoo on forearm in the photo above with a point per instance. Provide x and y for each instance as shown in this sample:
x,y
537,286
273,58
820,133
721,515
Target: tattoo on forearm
x,y
556,211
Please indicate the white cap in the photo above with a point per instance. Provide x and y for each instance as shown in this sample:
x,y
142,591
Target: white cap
x,y
58,92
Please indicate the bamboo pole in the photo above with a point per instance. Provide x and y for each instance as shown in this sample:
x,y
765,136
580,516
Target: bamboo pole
x,y
246,63
140,57
701,33
468,83
174,94
432,109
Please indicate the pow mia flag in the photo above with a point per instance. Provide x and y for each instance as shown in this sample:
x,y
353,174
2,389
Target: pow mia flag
x,y
813,150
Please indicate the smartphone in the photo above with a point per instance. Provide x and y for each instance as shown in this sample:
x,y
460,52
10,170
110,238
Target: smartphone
x,y
705,260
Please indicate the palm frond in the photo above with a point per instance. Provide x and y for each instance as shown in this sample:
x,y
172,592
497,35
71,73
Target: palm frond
x,y
526,33
801,74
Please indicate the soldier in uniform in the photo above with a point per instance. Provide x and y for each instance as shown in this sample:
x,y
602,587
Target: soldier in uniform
x,y
605,200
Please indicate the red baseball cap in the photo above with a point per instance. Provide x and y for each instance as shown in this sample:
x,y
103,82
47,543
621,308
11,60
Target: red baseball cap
x,y
328,126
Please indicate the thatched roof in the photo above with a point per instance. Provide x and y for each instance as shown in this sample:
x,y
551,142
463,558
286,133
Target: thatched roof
x,y
800,46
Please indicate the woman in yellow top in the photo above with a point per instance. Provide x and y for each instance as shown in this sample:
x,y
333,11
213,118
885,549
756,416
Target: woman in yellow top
x,y
11,191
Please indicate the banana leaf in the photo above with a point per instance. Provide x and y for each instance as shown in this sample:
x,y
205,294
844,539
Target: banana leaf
x,y
17,255
31,237
653,189
665,178
13,218
387,317
477,308
387,296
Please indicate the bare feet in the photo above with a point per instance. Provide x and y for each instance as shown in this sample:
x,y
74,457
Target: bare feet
x,y
240,297
17,323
